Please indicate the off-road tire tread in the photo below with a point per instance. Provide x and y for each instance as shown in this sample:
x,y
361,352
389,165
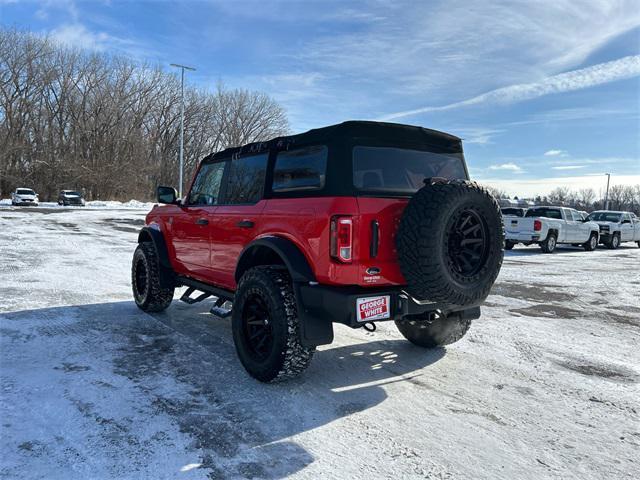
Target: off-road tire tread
x,y
295,357
158,298
417,249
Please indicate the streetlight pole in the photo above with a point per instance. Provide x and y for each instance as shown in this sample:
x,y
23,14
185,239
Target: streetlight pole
x,y
183,68
606,195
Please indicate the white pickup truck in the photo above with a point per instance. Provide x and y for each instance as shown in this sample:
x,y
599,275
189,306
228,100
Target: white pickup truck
x,y
549,226
616,227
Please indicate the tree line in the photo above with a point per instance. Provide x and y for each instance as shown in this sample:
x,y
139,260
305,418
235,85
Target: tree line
x,y
621,197
108,126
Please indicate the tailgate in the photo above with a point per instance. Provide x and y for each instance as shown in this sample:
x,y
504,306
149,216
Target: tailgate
x,y
518,225
386,214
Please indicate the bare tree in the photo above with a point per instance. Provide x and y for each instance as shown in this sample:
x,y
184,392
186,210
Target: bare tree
x,y
72,119
559,195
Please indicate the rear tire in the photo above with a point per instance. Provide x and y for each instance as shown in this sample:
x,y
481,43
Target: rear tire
x,y
592,243
266,327
549,244
145,280
509,245
439,332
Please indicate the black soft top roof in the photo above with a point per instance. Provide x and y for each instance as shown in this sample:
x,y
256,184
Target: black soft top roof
x,y
353,131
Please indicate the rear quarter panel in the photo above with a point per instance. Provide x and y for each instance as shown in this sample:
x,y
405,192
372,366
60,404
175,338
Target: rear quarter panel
x,y
305,222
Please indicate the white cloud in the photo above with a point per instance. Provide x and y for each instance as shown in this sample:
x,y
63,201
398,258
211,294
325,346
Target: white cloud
x,y
512,167
400,53
568,167
476,135
77,35
555,153
68,6
620,69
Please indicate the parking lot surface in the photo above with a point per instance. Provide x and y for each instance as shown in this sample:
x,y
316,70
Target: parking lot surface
x,y
545,385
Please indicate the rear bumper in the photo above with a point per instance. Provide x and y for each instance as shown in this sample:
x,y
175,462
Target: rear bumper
x,y
522,237
319,306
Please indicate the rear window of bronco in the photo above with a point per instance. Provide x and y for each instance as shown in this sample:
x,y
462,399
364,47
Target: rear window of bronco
x,y
401,170
301,169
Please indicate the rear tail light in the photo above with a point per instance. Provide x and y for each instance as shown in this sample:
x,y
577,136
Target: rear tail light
x,y
537,225
341,238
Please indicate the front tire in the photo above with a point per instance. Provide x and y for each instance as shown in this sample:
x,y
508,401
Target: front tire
x,y
266,327
145,280
592,243
614,242
437,333
550,243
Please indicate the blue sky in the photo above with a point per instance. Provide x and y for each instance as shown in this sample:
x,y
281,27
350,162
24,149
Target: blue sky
x,y
544,93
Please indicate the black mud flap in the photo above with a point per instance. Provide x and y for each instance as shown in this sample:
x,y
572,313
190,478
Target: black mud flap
x,y
315,328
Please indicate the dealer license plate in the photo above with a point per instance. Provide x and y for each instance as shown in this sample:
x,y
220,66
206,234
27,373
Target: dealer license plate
x,y
373,308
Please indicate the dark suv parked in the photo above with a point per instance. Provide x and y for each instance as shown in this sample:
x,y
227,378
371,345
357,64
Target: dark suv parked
x,y
70,197
354,223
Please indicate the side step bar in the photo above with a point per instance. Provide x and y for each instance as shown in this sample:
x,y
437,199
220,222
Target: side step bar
x,y
218,310
186,296
222,295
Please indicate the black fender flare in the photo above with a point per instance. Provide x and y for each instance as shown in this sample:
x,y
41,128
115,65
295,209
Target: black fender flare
x,y
286,250
151,234
314,329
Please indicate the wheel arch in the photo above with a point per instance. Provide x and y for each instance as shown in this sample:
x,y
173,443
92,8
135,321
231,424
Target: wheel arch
x,y
155,236
273,250
314,330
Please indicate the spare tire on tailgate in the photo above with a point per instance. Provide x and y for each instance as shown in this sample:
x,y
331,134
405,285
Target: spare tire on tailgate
x,y
450,242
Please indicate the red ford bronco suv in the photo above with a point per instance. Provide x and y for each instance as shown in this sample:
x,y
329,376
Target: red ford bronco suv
x,y
354,223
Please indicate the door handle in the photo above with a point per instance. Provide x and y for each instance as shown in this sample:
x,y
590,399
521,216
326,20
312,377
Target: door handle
x,y
202,221
245,224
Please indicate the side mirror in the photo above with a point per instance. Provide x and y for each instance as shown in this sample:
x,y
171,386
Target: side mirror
x,y
167,195
626,221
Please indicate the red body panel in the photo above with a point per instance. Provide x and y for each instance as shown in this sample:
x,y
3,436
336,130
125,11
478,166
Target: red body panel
x,y
210,252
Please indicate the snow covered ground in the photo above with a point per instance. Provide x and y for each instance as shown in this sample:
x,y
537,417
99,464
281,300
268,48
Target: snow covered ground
x,y
135,204
545,385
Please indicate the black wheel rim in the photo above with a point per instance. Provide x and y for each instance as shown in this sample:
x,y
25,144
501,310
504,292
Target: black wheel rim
x,y
141,278
257,328
467,243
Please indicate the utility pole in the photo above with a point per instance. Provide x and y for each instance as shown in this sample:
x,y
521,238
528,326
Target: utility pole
x,y
606,195
183,68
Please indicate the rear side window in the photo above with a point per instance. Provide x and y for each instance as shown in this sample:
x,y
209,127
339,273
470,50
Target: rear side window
x,y
245,180
401,170
206,186
544,212
302,169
